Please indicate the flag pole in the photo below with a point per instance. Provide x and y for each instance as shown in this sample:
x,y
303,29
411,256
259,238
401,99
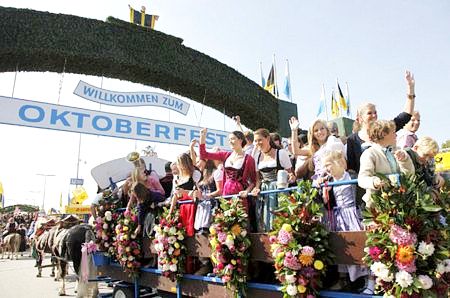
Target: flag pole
x,y
338,102
275,78
347,95
261,75
325,101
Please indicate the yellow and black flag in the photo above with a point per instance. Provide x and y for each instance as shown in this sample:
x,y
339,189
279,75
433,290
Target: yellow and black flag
x,y
142,19
342,101
270,83
334,106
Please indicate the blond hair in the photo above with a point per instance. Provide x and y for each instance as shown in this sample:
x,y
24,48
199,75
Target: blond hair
x,y
427,145
379,129
362,108
335,157
312,141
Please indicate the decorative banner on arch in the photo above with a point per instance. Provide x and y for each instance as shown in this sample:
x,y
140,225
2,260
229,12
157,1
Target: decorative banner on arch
x,y
57,117
130,99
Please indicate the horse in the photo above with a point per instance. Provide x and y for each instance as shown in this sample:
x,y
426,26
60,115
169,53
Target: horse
x,y
43,244
11,244
67,247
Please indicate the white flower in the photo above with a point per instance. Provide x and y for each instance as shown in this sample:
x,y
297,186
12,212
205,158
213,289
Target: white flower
x,y
166,229
290,278
227,213
244,233
165,267
291,290
126,221
157,229
386,295
173,267
446,263
173,231
427,249
170,251
403,278
425,281
380,270
440,268
159,247
180,237
105,226
130,258
388,278
108,215
172,239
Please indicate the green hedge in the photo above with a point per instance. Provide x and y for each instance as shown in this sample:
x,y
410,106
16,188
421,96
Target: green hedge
x,y
41,41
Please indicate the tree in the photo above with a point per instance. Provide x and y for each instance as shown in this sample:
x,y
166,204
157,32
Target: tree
x,y
446,145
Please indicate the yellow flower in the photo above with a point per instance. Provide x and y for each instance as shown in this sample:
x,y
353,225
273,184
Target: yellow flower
x,y
280,255
236,229
233,262
306,260
214,243
176,245
318,264
301,289
212,231
287,227
405,254
125,228
174,261
125,237
128,249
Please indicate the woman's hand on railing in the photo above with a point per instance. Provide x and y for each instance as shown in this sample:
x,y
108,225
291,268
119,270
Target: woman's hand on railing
x,y
255,192
243,193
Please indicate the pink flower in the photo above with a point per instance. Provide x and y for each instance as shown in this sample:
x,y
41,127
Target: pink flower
x,y
402,236
230,267
292,263
226,278
284,237
220,266
222,237
272,239
308,251
127,213
408,267
374,252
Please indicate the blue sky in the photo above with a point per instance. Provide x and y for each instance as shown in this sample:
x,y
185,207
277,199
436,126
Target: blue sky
x,y
368,44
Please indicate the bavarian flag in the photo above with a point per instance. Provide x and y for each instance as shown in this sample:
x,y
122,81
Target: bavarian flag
x,y
270,84
342,101
334,107
142,19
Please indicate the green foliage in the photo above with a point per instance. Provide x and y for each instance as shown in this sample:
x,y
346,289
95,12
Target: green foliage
x,y
42,41
446,145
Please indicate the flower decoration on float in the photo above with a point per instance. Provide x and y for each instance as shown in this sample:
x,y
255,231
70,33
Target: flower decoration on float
x,y
105,224
230,244
127,244
299,243
169,244
407,247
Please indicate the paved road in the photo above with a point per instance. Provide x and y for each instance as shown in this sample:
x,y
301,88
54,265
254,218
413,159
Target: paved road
x,y
18,280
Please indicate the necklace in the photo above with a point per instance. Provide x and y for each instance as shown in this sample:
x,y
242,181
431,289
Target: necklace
x,y
235,158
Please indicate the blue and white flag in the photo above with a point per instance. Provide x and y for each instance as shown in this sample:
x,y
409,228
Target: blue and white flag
x,y
263,80
322,106
287,82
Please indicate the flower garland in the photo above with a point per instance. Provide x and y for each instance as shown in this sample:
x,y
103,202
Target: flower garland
x,y
230,244
408,244
105,224
127,244
169,245
299,243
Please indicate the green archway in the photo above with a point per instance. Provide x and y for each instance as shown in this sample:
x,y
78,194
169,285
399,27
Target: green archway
x,y
41,41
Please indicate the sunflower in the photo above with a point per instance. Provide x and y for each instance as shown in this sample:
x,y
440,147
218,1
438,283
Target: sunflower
x,y
306,260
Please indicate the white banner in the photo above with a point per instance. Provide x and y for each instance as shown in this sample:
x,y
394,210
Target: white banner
x,y
44,115
130,99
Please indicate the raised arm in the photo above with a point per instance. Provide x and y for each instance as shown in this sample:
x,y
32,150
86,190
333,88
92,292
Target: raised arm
x,y
410,92
237,118
296,150
192,152
221,155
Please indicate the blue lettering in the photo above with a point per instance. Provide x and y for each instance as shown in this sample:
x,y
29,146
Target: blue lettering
x,y
87,90
195,134
55,117
140,97
121,98
222,139
210,140
142,127
106,120
162,129
80,118
104,96
38,118
179,132
112,97
155,98
178,105
123,126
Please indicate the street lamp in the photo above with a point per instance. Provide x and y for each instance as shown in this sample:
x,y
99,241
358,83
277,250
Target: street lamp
x,y
45,183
